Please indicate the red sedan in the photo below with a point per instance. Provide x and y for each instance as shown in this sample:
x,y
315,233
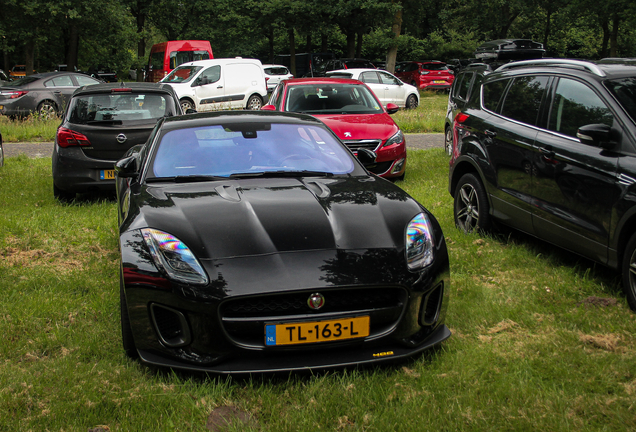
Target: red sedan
x,y
353,112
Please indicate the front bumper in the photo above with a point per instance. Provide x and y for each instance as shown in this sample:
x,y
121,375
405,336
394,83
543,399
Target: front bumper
x,y
194,331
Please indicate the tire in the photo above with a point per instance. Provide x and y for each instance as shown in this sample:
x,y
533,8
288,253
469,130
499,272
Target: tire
x,y
471,209
47,109
127,339
186,105
254,103
62,195
448,141
411,102
628,269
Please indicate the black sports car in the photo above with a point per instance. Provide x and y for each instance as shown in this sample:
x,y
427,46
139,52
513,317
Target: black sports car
x,y
256,241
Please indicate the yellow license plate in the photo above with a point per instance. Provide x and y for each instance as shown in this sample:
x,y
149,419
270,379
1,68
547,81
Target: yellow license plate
x,y
1,106
107,174
316,331
439,82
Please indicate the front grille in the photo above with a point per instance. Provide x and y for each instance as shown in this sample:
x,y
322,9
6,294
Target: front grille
x,y
244,319
367,144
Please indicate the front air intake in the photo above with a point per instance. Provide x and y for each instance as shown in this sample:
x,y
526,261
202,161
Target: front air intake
x,y
431,306
171,325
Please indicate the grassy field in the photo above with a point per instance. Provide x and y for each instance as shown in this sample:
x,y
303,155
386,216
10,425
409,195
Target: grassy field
x,y
541,339
427,118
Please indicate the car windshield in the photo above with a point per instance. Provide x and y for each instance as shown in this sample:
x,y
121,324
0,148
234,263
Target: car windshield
x,y
624,90
117,108
249,149
332,99
434,66
276,71
182,74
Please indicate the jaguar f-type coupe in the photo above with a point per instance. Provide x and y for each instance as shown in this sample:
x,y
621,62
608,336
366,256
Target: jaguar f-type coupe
x,y
257,242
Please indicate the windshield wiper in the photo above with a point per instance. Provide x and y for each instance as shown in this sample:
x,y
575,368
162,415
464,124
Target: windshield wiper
x,y
283,173
185,179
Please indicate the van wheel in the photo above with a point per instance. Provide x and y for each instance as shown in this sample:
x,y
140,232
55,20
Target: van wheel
x,y
411,102
254,102
186,105
448,141
629,272
471,207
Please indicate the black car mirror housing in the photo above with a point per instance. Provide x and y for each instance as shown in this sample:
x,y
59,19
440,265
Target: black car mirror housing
x,y
127,167
598,135
366,156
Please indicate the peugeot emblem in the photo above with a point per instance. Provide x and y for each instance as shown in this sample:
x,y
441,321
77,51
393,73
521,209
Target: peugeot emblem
x,y
316,301
121,138
348,134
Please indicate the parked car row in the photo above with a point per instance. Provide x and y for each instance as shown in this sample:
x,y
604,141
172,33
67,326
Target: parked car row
x,y
548,147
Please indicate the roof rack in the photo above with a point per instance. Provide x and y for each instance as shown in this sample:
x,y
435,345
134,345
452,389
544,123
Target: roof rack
x,y
580,64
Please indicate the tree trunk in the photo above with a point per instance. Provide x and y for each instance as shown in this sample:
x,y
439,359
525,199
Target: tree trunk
x,y
73,47
308,47
393,49
606,37
614,35
324,43
546,34
29,56
351,43
359,45
270,38
292,51
141,46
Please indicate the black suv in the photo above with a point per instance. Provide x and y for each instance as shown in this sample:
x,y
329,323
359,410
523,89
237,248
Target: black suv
x,y
101,123
549,147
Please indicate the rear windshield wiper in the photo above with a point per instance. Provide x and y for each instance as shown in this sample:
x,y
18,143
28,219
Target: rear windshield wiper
x,y
283,173
113,122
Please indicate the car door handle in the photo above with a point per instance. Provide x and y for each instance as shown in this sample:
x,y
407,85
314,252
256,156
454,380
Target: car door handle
x,y
490,133
57,92
220,87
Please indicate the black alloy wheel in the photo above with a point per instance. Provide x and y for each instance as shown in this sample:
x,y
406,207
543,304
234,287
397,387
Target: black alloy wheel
x,y
471,207
628,269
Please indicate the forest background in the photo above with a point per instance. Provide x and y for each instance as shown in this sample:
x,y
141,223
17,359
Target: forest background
x,y
119,33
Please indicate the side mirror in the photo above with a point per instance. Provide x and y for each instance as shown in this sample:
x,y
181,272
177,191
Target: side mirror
x,y
392,108
127,167
366,156
268,108
597,135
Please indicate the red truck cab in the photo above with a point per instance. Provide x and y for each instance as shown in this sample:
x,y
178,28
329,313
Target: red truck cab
x,y
166,56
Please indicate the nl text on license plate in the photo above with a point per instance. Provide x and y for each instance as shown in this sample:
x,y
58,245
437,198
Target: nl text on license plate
x,y
106,174
316,331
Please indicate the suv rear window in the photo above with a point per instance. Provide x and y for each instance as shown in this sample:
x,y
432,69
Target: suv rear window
x,y
523,99
434,66
493,92
276,71
118,108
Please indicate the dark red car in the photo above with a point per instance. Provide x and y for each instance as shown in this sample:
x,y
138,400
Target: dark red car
x,y
353,112
433,75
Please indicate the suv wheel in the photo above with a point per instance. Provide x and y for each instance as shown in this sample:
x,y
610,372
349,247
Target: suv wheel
x,y
254,102
471,207
629,272
448,141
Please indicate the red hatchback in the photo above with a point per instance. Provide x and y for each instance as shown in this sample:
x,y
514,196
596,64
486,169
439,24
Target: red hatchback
x,y
353,112
426,75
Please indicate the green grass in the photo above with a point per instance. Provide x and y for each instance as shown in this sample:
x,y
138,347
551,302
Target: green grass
x,y
426,118
529,351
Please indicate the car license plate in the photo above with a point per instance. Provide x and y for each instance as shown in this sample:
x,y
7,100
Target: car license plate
x,y
107,174
1,106
439,82
316,331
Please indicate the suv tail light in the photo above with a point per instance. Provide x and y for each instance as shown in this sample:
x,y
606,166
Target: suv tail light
x,y
70,138
461,117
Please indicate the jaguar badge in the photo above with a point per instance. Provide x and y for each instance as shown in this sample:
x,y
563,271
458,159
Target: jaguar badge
x,y
316,301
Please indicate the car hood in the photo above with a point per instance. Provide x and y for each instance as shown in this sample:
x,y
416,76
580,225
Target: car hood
x,y
363,126
250,217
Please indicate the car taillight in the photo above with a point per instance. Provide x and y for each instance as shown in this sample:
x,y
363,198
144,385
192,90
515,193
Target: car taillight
x,y
266,79
15,94
461,117
121,90
69,138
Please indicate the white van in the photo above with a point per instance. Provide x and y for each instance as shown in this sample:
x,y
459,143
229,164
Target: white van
x,y
215,84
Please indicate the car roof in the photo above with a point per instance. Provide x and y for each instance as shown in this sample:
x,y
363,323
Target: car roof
x,y
321,80
273,65
600,70
221,61
237,117
350,70
133,86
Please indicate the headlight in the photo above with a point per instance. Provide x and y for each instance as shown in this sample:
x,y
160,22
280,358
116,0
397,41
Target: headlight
x,y
172,256
395,139
419,242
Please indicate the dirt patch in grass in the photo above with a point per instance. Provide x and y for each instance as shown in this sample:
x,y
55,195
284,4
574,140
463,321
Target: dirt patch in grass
x,y
598,301
38,258
607,342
